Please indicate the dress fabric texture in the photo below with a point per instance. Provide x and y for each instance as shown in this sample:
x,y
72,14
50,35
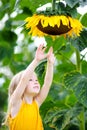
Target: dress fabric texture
x,y
28,118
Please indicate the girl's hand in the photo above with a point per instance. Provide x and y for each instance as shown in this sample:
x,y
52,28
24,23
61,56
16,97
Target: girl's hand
x,y
50,56
40,53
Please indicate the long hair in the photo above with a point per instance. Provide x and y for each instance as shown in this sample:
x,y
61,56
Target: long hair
x,y
12,86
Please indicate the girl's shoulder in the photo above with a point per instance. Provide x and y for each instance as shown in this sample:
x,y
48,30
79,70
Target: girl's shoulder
x,y
14,109
37,104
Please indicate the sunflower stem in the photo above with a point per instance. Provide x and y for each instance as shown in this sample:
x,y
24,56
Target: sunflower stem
x,y
53,5
82,120
78,66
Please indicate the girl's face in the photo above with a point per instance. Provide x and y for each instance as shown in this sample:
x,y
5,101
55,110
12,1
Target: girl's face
x,y
33,86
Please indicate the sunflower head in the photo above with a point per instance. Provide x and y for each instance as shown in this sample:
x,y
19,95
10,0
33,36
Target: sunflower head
x,y
54,21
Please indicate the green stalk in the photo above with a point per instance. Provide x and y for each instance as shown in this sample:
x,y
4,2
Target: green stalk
x,y
79,69
78,61
53,5
82,120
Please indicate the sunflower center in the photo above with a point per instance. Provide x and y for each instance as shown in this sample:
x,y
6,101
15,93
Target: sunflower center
x,y
54,30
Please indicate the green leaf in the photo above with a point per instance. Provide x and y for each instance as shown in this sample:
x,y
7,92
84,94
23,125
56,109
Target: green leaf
x,y
58,44
63,68
80,42
34,5
40,70
8,36
61,118
3,97
45,108
84,67
78,83
7,43
3,9
70,100
5,1
20,17
72,3
83,20
5,50
17,2
12,5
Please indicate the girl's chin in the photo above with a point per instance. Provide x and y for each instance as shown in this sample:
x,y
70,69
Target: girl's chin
x,y
37,92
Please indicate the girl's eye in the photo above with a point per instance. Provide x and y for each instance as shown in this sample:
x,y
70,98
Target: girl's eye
x,y
30,79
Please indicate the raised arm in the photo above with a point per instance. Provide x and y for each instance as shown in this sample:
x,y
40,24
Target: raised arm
x,y
27,74
48,78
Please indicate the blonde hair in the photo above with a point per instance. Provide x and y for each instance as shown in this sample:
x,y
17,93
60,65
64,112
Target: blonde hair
x,y
13,84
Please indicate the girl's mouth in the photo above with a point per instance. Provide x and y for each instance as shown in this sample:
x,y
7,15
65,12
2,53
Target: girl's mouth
x,y
35,86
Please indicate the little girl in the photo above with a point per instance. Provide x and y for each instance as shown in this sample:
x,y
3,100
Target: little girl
x,y
25,96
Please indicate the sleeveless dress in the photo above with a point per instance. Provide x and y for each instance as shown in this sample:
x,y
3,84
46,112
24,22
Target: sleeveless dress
x,y
28,118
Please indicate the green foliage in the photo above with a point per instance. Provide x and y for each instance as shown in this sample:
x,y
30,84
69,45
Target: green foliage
x,y
78,83
80,42
83,20
8,39
72,3
40,70
60,9
61,118
3,98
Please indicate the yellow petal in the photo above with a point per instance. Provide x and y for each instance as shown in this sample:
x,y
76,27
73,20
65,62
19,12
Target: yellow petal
x,y
51,21
65,20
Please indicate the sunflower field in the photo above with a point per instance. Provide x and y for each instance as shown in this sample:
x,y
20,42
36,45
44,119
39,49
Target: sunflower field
x,y
65,108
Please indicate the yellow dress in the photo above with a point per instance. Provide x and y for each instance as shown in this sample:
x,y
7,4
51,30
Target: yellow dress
x,y
28,118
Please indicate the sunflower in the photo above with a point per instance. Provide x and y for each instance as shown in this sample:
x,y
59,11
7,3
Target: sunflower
x,y
53,24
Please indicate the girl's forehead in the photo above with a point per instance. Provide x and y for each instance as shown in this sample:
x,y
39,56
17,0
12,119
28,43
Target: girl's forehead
x,y
34,76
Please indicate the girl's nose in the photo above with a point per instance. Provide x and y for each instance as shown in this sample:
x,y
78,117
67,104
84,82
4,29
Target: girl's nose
x,y
36,82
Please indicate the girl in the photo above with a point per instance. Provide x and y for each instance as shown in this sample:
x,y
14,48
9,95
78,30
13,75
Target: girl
x,y
25,96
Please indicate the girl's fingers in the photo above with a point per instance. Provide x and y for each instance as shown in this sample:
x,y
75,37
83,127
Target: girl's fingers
x,y
44,49
41,47
50,51
45,56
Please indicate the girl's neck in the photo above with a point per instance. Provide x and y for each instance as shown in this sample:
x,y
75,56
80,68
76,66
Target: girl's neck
x,y
28,99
